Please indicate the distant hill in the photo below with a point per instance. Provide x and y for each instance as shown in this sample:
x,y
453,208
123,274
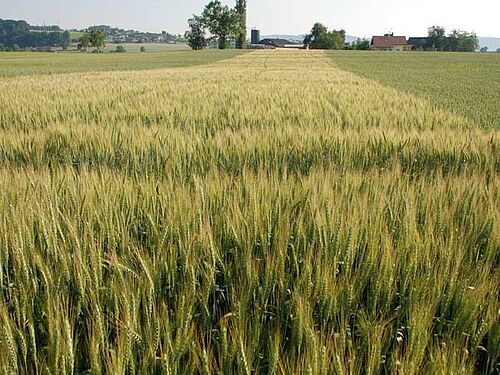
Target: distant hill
x,y
118,35
293,38
300,38
492,43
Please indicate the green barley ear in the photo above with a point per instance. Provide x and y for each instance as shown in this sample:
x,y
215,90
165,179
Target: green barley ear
x,y
10,343
205,361
22,346
274,353
244,365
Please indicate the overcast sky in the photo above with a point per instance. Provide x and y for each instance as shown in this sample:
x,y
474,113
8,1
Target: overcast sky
x,y
357,17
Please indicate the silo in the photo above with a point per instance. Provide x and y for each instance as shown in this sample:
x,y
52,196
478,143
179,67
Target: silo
x,y
255,39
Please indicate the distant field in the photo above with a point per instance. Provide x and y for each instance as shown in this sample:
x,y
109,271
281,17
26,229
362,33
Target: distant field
x,y
150,47
464,83
27,63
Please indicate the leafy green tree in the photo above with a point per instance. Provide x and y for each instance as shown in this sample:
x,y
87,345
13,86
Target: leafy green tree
x,y
220,20
361,44
321,38
241,27
317,32
196,33
437,39
143,49
97,39
463,41
84,41
65,39
120,49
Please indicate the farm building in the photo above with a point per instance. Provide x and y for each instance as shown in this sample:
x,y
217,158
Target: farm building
x,y
280,43
419,43
389,42
255,36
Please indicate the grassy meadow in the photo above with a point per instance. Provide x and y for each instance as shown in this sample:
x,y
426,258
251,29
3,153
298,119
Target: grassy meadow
x,y
269,213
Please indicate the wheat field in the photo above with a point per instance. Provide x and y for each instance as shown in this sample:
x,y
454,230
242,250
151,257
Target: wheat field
x,y
266,214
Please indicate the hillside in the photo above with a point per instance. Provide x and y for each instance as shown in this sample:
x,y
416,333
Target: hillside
x,y
300,37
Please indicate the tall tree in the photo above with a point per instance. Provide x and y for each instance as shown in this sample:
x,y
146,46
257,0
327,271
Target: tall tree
x,y
361,44
321,38
463,41
97,39
437,39
220,20
196,33
84,41
241,28
65,39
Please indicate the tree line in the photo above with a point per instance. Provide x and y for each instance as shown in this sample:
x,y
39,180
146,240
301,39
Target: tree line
x,y
219,23
437,40
17,35
456,41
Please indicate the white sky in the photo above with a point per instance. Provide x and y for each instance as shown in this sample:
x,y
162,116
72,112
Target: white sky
x,y
357,17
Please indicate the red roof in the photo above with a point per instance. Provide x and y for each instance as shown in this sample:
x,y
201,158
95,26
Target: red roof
x,y
388,41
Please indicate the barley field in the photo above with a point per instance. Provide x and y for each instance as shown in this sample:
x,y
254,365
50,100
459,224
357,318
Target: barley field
x,y
269,213
14,64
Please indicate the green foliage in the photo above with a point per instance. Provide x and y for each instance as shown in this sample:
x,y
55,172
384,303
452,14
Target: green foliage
x,y
463,41
241,23
96,38
93,39
321,38
46,28
120,49
143,49
196,35
66,39
361,45
15,35
221,21
457,41
437,40
84,41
